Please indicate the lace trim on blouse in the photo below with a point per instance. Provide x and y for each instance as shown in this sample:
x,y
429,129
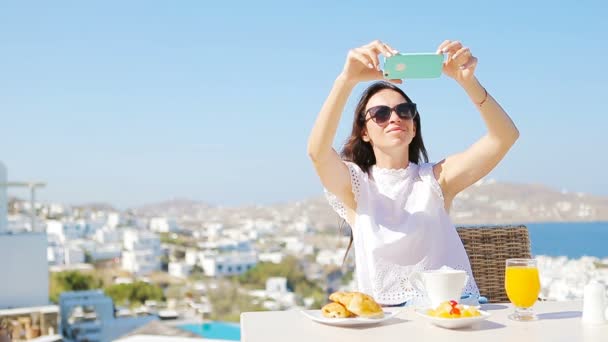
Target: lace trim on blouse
x,y
355,179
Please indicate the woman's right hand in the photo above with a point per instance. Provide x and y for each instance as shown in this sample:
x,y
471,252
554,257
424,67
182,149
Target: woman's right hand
x,y
362,63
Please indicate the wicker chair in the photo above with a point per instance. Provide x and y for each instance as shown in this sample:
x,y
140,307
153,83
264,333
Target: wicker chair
x,y
488,248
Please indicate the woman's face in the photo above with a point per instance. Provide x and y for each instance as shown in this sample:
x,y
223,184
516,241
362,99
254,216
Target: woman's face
x,y
395,132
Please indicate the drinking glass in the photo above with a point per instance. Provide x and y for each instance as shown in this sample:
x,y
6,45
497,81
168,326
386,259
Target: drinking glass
x,y
522,285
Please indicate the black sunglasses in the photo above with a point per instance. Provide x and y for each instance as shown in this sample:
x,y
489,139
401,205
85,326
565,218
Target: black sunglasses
x,y
381,114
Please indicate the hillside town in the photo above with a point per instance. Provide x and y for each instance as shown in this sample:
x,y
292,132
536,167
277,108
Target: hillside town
x,y
72,268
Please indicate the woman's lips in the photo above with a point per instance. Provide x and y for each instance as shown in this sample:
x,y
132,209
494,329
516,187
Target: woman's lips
x,y
395,129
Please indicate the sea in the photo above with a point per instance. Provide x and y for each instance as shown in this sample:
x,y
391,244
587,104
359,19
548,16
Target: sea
x,y
571,239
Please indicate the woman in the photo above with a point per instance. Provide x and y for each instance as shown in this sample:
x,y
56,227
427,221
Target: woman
x,y
382,185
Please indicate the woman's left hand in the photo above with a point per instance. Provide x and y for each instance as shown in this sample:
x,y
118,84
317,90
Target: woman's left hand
x,y
460,63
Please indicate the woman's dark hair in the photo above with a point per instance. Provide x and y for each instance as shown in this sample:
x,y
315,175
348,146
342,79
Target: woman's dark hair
x,y
360,152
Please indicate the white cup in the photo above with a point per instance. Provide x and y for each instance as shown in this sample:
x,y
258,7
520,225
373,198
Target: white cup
x,y
440,285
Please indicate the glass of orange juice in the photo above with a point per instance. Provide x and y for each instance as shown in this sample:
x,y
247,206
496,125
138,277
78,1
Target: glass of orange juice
x,y
522,285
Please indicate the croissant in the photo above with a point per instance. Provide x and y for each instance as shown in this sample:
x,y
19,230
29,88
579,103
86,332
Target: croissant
x,y
358,303
335,310
341,297
364,306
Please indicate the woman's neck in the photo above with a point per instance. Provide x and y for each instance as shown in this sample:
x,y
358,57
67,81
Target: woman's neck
x,y
393,159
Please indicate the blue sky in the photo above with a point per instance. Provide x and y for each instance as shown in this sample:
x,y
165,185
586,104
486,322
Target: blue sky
x,y
140,101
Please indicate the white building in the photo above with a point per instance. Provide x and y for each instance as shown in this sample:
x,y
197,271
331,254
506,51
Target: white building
x,y
56,209
276,284
264,227
228,264
107,251
108,234
295,246
273,257
92,225
141,253
66,230
227,245
73,255
163,225
113,220
213,231
24,275
302,226
179,269
55,255
194,257
330,257
278,293
60,255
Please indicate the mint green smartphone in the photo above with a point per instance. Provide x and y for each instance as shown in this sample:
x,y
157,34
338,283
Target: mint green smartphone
x,y
413,65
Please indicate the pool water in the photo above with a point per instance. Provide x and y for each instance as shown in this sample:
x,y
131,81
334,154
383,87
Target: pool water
x,y
215,330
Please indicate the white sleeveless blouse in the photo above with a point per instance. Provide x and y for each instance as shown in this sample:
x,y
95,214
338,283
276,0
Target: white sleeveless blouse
x,y
401,226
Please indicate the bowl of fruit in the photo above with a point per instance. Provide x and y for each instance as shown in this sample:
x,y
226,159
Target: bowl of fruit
x,y
452,315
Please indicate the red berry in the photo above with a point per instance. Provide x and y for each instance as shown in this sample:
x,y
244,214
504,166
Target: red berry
x,y
453,303
455,311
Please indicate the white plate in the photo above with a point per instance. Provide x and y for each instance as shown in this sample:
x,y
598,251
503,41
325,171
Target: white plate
x,y
317,316
453,323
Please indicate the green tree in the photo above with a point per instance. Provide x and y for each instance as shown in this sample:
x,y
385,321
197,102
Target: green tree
x,y
119,293
71,281
135,293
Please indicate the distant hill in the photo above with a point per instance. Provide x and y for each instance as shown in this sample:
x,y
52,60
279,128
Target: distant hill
x,y
486,202
492,201
174,207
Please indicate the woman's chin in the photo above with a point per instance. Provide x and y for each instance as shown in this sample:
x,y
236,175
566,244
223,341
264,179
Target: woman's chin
x,y
395,143
398,140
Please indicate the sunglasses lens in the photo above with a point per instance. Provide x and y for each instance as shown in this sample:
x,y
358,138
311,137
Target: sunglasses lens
x,y
380,114
406,110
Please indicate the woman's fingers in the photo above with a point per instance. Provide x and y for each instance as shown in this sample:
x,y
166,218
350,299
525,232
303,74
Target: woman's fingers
x,y
471,64
391,49
382,48
373,49
452,47
458,57
443,45
372,54
368,56
357,55
462,56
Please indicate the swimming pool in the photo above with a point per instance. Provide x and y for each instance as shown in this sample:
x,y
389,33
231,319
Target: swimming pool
x,y
215,330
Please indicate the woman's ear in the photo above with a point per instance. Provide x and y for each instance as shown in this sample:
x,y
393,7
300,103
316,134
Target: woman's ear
x,y
365,136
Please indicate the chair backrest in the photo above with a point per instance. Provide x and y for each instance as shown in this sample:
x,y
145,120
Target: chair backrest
x,y
488,247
